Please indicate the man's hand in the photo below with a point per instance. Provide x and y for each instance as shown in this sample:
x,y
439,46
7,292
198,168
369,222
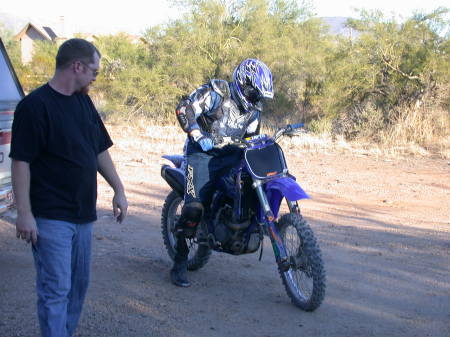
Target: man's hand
x,y
108,171
25,222
26,227
120,207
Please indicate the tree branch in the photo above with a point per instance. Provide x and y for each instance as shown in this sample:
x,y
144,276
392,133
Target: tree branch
x,y
386,61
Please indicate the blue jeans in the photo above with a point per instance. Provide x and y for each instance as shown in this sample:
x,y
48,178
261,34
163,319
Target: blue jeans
x,y
62,257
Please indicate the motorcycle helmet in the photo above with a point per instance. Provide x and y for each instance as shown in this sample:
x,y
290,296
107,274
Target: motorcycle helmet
x,y
252,81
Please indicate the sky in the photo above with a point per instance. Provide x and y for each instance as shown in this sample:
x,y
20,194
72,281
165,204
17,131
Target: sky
x,y
134,16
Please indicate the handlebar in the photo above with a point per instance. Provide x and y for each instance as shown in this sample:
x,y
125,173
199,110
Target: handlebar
x,y
240,142
288,130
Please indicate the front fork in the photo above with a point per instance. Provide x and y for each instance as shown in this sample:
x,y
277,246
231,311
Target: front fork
x,y
277,243
293,207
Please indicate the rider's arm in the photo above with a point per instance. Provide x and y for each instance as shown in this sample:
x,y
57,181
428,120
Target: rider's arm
x,y
185,115
254,126
202,101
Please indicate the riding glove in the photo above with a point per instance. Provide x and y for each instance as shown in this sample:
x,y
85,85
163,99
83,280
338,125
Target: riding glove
x,y
205,143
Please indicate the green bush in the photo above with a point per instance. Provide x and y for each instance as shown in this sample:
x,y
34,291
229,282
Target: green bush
x,y
357,87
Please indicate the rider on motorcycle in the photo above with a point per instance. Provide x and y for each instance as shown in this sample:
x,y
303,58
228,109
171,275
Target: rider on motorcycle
x,y
215,110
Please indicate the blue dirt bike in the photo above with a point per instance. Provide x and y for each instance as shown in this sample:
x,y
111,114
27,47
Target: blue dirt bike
x,y
245,208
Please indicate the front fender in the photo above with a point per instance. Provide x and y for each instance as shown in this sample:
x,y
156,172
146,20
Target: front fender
x,y
280,188
287,187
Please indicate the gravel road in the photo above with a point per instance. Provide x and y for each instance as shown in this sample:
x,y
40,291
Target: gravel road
x,y
383,225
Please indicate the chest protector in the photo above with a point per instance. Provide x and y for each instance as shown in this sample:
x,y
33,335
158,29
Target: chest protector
x,y
226,120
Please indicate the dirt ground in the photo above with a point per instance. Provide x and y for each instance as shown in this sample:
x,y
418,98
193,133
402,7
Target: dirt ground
x,y
383,225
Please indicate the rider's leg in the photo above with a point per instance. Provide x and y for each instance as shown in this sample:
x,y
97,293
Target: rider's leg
x,y
191,216
179,269
202,170
219,168
197,177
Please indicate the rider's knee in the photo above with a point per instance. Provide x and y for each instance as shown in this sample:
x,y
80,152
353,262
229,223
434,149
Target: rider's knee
x,y
192,214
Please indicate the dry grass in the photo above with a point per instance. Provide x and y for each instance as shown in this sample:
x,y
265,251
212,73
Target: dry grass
x,y
150,139
422,131
145,137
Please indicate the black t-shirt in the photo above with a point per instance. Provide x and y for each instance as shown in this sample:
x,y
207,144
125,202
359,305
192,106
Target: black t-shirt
x,y
60,137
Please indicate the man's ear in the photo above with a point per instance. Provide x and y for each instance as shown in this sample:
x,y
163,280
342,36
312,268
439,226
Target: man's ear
x,y
76,67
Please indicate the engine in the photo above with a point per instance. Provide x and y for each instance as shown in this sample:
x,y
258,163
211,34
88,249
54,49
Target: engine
x,y
235,238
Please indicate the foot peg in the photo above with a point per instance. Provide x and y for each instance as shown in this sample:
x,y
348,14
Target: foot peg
x,y
213,243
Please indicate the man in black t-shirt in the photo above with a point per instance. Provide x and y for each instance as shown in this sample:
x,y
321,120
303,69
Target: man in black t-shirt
x,y
58,144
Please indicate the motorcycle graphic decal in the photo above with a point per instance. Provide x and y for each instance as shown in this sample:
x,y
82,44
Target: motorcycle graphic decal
x,y
190,181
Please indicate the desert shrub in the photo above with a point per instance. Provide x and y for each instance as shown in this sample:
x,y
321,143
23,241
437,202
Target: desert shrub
x,y
393,68
392,77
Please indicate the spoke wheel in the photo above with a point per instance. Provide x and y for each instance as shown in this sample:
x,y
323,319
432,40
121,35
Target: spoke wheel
x,y
198,254
305,279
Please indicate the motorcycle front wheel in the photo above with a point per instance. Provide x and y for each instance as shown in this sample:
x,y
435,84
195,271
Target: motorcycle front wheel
x,y
305,279
198,254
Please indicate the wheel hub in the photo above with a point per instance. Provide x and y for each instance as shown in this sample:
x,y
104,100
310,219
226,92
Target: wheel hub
x,y
300,262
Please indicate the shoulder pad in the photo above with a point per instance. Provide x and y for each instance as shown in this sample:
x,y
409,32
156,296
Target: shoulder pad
x,y
221,87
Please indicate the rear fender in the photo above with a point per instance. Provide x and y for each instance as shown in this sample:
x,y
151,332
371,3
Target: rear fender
x,y
284,187
174,177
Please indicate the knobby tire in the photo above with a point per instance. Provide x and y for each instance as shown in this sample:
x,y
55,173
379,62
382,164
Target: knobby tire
x,y
168,218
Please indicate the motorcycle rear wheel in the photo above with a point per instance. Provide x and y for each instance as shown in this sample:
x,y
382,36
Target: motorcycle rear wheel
x,y
198,254
305,280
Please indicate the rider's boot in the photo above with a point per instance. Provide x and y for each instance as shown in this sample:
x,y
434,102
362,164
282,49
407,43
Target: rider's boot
x,y
178,273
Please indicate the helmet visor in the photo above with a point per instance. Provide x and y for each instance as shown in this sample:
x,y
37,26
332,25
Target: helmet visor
x,y
252,94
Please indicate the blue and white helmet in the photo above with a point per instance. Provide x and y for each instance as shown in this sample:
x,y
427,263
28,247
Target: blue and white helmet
x,y
252,81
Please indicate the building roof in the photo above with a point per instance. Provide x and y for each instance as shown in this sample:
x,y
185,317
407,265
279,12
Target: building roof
x,y
50,32
46,32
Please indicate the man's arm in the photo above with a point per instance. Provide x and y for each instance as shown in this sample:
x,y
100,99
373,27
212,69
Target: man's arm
x,y
108,171
25,222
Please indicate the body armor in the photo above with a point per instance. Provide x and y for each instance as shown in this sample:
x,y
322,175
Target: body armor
x,y
218,119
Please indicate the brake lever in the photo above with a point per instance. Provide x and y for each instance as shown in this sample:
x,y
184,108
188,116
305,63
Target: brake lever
x,y
279,133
